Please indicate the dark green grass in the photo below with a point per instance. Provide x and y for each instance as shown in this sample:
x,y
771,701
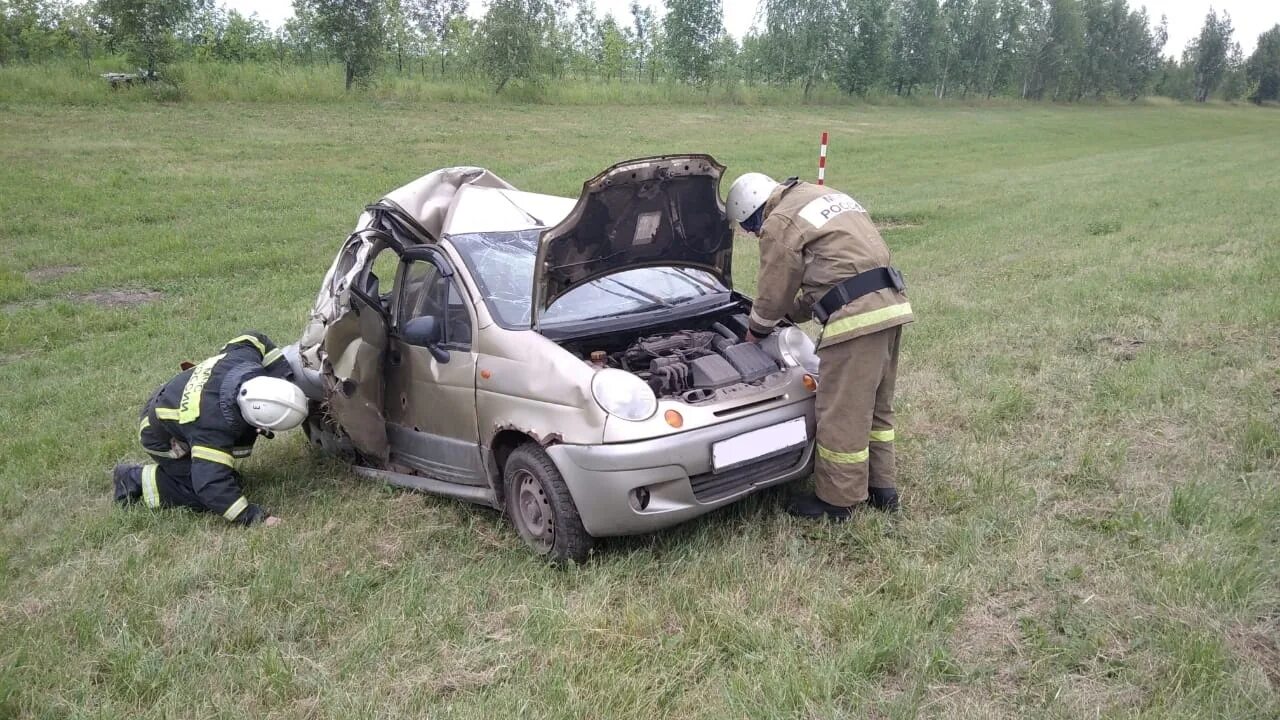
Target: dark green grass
x,y
1089,445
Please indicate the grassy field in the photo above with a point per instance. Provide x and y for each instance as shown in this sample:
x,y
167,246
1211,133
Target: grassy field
x,y
1088,433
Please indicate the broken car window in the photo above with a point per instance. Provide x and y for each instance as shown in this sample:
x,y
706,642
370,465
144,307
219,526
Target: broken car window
x,y
427,292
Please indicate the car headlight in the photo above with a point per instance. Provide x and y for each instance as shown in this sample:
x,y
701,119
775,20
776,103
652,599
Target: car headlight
x,y
624,395
796,349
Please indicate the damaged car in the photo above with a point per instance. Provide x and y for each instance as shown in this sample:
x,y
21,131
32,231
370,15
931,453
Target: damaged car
x,y
577,363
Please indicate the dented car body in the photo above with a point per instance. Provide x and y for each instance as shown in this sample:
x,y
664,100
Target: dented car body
x,y
579,364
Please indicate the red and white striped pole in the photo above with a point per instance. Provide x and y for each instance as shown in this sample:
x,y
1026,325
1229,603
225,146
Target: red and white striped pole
x,y
822,160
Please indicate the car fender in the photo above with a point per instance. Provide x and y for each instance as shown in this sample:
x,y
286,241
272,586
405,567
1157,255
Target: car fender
x,y
527,383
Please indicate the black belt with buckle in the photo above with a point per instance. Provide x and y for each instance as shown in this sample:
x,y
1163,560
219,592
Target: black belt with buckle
x,y
850,289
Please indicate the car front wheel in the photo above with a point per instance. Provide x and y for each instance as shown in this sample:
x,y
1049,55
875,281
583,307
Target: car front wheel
x,y
539,505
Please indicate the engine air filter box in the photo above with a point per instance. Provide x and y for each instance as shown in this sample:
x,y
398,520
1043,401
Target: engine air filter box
x,y
714,372
750,361
738,324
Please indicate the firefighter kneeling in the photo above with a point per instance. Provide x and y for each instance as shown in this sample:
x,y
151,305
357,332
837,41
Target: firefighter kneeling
x,y
821,256
199,423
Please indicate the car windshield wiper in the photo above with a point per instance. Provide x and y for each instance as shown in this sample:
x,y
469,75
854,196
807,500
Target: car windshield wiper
x,y
615,293
635,310
647,296
704,287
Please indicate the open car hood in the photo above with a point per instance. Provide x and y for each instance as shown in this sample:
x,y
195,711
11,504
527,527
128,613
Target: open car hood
x,y
656,211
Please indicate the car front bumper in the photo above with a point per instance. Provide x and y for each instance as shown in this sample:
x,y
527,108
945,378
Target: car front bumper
x,y
676,471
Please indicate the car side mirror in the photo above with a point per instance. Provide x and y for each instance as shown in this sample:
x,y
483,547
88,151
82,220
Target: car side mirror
x,y
425,332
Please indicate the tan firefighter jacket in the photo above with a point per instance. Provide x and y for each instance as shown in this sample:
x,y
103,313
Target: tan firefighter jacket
x,y
812,238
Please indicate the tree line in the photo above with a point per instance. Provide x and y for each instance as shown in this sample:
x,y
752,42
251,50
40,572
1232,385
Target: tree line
x,y
1060,50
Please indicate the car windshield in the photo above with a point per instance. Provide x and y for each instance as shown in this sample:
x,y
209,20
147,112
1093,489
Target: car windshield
x,y
502,265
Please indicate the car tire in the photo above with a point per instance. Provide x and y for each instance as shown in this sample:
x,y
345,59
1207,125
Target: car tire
x,y
540,507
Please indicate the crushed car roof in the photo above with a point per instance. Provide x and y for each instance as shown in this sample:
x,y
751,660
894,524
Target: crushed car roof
x,y
485,209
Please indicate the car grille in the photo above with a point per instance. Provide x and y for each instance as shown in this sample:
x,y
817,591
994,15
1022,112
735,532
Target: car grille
x,y
709,487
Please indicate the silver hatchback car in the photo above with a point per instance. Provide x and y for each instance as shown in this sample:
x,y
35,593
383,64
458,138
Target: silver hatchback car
x,y
579,364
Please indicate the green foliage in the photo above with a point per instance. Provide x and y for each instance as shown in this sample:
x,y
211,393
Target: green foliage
x,y
1138,54
442,23
976,41
1175,80
1059,50
614,49
1209,54
1263,68
145,29
1056,40
914,49
1235,81
401,41
213,33
692,29
1121,52
353,30
513,40
801,38
29,31
69,83
865,53
644,36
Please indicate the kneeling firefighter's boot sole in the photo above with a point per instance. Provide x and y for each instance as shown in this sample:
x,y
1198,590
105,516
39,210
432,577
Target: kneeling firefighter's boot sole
x,y
127,481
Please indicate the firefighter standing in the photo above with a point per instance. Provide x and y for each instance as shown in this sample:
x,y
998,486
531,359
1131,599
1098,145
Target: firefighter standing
x,y
822,257
199,423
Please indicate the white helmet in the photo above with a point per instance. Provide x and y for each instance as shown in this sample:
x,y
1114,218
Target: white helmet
x,y
748,194
271,403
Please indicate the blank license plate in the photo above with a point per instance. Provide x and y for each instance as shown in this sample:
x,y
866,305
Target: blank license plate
x,y
758,443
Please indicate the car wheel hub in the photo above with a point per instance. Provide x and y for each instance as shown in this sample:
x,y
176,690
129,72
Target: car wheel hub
x,y
534,510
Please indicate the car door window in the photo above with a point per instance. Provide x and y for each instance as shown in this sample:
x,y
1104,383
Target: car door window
x,y
427,291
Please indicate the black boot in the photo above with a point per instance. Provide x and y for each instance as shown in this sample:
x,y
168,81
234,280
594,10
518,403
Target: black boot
x,y
885,499
127,479
812,507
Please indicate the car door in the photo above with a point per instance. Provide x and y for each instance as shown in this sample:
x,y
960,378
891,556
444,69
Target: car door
x,y
431,396
355,350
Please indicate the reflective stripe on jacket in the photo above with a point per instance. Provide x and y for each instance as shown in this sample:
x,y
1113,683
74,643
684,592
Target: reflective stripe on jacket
x,y
812,238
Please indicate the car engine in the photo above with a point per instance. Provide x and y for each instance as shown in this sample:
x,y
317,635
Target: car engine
x,y
691,364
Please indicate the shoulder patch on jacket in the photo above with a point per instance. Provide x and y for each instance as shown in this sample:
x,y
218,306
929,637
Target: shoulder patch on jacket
x,y
820,210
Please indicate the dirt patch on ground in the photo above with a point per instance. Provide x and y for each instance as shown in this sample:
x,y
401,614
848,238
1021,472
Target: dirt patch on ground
x,y
455,672
1259,646
1119,348
988,634
108,298
118,298
50,273
499,625
461,680
963,703
6,358
27,609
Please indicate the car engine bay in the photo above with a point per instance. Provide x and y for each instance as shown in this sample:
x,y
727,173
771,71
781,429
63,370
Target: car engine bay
x,y
690,364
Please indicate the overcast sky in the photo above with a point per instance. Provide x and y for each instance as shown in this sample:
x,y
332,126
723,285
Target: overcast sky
x,y
1250,17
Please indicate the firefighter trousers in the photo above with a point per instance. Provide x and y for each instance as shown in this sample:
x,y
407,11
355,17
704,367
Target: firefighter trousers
x,y
855,417
164,483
